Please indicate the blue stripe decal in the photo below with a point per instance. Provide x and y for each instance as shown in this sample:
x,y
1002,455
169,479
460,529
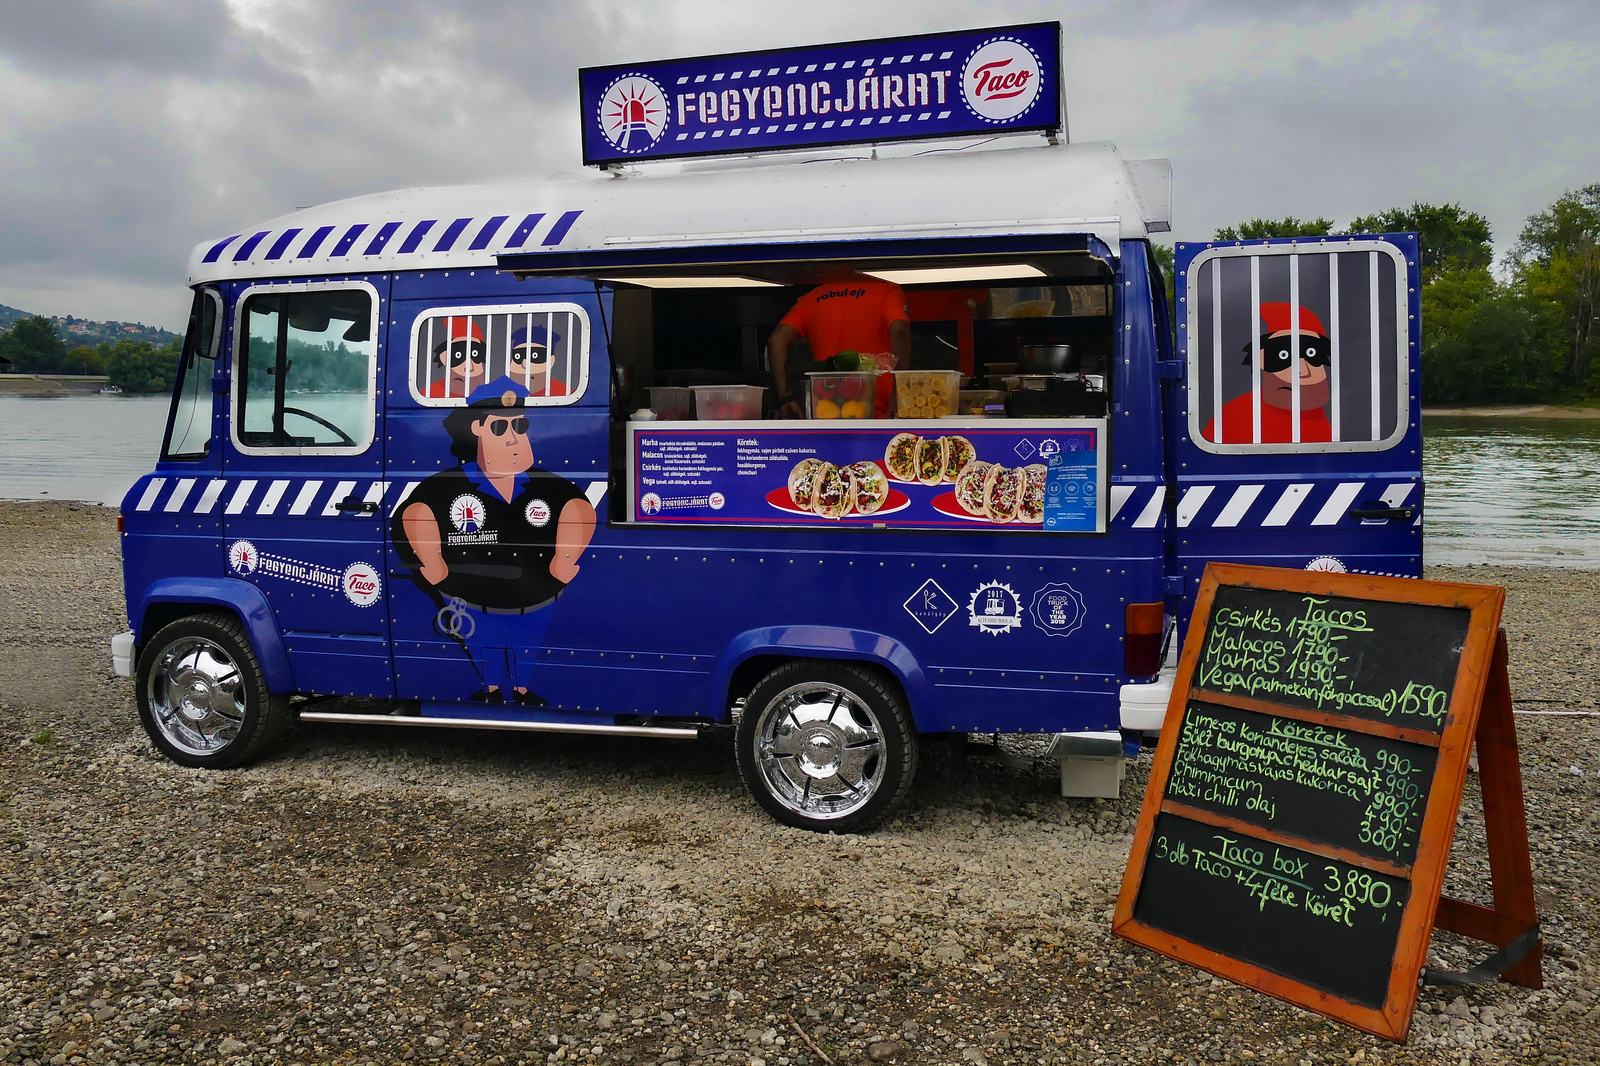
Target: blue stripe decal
x,y
525,227
309,249
349,238
382,238
414,238
451,234
249,246
216,249
559,230
281,245
486,234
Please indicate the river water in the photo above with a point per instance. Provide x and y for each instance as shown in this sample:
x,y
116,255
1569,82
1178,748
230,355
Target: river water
x,y
1519,492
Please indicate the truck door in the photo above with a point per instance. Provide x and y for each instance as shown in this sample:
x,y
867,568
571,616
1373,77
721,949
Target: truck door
x,y
303,509
1298,433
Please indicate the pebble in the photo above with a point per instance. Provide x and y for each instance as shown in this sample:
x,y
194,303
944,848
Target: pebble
x,y
386,896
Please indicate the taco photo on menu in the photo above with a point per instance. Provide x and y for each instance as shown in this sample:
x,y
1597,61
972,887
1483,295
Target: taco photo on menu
x,y
1030,508
958,453
969,487
930,459
869,487
833,492
900,457
803,482
1002,492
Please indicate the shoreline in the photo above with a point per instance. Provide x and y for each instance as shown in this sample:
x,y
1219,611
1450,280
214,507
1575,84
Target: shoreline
x,y
1531,410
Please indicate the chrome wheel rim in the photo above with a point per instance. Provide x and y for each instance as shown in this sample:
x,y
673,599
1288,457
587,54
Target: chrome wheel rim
x,y
195,696
820,750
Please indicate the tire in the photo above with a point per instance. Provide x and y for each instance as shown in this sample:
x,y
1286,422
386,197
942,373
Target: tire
x,y
202,697
826,746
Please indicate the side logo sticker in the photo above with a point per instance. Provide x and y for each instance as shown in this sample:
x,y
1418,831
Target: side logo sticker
x,y
242,557
994,608
931,606
1058,610
362,585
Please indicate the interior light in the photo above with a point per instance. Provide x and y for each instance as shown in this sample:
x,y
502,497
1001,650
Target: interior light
x,y
935,275
695,281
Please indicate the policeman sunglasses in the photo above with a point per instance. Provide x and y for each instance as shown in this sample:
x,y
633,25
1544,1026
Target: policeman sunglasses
x,y
526,353
498,426
1277,354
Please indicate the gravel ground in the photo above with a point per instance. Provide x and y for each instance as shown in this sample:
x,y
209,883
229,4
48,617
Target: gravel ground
x,y
386,896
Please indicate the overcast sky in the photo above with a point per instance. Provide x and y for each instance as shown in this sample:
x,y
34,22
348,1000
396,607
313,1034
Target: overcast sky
x,y
131,131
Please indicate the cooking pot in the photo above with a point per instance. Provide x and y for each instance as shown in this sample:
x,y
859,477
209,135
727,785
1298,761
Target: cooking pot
x,y
1046,359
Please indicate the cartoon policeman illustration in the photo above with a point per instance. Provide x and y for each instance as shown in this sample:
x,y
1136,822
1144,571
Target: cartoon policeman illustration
x,y
530,361
494,540
1277,383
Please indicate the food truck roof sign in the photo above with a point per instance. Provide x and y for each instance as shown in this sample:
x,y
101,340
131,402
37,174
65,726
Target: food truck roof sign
x,y
1004,79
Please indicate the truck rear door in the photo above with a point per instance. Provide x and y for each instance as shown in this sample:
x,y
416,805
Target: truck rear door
x,y
1298,439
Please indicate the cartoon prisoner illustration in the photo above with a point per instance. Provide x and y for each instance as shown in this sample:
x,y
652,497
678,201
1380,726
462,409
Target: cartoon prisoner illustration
x,y
494,540
1279,368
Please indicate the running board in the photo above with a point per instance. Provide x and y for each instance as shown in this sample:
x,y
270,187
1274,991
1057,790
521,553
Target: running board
x,y
662,732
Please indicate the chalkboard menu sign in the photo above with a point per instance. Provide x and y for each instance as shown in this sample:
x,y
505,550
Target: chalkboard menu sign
x,y
1304,793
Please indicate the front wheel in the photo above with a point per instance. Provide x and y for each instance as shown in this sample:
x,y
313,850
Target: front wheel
x,y
826,745
202,697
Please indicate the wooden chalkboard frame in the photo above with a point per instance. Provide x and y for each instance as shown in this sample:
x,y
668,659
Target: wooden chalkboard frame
x,y
1480,708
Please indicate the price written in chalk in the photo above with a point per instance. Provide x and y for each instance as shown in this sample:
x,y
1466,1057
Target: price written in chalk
x,y
1347,657
1352,790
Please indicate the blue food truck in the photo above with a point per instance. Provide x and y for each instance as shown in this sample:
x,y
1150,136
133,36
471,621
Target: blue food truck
x,y
409,457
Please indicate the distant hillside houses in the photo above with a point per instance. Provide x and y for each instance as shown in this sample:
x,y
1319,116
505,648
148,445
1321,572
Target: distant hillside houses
x,y
76,332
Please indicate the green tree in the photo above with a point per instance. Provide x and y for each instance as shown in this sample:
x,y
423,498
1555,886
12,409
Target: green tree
x,y
1261,228
1557,259
1452,238
1166,259
139,366
1487,342
33,346
83,360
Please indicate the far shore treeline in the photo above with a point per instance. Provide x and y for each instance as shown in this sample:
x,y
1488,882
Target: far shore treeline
x,y
1521,331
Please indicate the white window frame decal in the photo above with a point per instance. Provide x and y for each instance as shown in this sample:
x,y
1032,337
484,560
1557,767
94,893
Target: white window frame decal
x,y
1196,345
534,314
239,328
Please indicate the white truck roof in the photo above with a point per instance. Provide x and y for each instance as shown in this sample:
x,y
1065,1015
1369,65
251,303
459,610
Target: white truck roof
x,y
1077,188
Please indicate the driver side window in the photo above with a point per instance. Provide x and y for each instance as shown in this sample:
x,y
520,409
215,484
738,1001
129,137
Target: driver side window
x,y
305,373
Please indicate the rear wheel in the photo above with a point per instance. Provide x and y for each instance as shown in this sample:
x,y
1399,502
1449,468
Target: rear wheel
x,y
826,745
202,697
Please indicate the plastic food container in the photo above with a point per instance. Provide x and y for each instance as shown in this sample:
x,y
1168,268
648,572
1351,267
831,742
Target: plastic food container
x,y
926,393
721,403
670,404
841,394
973,401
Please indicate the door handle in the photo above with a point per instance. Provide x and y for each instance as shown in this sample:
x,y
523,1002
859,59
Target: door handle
x,y
350,503
1392,514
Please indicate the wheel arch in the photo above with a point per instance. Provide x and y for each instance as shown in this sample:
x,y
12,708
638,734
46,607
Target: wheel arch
x,y
168,600
756,652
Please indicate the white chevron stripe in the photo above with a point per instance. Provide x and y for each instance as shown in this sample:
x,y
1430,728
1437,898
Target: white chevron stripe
x,y
208,499
1152,510
1397,494
151,491
241,497
179,493
375,492
1237,506
595,491
1119,496
1194,498
269,502
405,494
1287,504
1338,503
308,494
340,491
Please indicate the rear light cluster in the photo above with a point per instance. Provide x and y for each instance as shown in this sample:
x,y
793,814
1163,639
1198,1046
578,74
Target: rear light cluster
x,y
1144,625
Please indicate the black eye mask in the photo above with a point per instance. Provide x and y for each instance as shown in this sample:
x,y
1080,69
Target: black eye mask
x,y
460,352
1277,353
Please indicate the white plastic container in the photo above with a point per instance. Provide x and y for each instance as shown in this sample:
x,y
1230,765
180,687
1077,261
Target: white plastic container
x,y
723,403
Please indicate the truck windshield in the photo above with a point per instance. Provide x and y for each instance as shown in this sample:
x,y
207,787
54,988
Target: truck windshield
x,y
305,370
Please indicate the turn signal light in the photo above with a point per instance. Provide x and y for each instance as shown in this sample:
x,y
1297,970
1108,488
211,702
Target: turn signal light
x,y
122,525
1141,646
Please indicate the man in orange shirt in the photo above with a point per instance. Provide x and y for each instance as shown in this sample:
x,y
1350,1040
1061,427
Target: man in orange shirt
x,y
848,312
